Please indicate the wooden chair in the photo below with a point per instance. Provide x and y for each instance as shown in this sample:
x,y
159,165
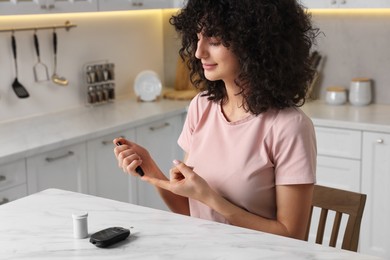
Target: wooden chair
x,y
342,202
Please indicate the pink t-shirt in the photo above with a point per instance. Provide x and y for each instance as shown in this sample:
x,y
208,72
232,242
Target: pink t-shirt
x,y
244,160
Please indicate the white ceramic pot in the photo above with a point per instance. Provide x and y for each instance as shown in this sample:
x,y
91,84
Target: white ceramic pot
x,y
336,95
360,92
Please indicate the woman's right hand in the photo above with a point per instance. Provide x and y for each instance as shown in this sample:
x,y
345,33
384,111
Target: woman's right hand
x,y
130,155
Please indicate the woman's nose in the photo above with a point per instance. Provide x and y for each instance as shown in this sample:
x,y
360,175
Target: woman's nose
x,y
201,51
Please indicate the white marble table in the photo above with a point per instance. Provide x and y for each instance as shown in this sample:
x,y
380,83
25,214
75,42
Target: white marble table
x,y
40,227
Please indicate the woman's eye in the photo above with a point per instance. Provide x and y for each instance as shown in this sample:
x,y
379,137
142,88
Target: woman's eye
x,y
215,43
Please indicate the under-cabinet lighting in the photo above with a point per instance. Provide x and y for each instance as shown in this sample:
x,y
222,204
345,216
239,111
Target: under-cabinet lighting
x,y
351,11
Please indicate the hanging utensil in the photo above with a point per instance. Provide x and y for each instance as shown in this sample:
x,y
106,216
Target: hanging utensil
x,y
41,72
19,89
55,78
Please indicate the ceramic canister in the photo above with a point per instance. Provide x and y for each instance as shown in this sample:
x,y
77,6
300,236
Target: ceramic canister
x,y
336,95
360,91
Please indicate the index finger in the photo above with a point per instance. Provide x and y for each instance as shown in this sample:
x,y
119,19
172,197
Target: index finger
x,y
164,184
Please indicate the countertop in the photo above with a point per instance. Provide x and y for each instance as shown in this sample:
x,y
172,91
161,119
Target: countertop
x,y
25,137
39,226
373,117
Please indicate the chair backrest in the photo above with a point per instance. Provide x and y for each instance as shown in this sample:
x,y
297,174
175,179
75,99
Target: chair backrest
x,y
342,202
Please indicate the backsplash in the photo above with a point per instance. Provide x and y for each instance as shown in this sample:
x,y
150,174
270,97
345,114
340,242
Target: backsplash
x,y
354,45
133,41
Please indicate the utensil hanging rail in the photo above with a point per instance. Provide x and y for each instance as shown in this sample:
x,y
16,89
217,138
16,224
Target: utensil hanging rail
x,y
67,26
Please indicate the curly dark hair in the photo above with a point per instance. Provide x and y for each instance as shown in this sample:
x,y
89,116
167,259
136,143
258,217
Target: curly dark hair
x,y
271,38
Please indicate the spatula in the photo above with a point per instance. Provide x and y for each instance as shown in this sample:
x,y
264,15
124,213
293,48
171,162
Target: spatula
x,y
19,89
41,72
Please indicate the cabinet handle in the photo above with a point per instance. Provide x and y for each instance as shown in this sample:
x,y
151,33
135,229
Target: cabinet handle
x,y
154,128
5,200
48,6
105,142
51,159
2,178
380,141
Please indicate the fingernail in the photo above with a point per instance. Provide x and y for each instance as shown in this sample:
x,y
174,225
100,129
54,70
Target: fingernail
x,y
176,162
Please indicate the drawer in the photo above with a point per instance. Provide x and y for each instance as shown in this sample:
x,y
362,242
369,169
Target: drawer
x,y
339,142
13,193
12,174
339,173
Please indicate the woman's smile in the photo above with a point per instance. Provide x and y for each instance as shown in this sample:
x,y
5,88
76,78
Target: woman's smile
x,y
209,66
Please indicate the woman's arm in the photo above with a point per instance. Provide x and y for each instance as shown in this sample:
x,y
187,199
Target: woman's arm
x,y
293,204
292,201
130,155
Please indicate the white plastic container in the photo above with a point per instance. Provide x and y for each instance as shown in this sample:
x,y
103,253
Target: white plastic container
x,y
80,225
336,95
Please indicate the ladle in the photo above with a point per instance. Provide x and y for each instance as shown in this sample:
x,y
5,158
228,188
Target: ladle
x,y
55,78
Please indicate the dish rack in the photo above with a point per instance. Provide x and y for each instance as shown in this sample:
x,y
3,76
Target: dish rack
x,y
100,80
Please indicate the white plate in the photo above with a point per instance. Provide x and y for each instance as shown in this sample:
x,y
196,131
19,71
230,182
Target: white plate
x,y
147,85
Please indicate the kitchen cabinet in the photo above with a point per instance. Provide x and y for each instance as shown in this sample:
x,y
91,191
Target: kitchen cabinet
x,y
338,166
375,183
339,158
346,3
358,161
11,7
106,179
116,5
64,168
160,138
12,181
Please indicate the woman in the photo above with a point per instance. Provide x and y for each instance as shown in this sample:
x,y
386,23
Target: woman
x,y
250,151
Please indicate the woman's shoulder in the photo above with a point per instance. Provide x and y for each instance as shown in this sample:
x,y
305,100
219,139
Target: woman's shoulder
x,y
292,118
200,102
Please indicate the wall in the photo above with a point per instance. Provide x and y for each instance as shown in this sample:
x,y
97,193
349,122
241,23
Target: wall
x,y
131,40
355,43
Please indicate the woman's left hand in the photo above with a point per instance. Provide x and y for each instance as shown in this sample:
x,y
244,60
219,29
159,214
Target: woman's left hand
x,y
183,181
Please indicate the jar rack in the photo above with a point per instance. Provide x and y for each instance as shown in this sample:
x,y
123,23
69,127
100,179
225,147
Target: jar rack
x,y
100,80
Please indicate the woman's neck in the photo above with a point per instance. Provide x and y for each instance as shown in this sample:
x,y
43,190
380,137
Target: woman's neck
x,y
233,108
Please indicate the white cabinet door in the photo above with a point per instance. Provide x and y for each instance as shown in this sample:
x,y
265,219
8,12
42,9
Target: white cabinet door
x,y
65,168
105,178
375,183
11,7
160,138
12,181
115,5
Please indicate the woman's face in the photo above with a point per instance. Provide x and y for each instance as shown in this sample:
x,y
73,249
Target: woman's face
x,y
219,62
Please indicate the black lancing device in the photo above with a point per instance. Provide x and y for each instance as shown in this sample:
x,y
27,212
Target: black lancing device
x,y
138,169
